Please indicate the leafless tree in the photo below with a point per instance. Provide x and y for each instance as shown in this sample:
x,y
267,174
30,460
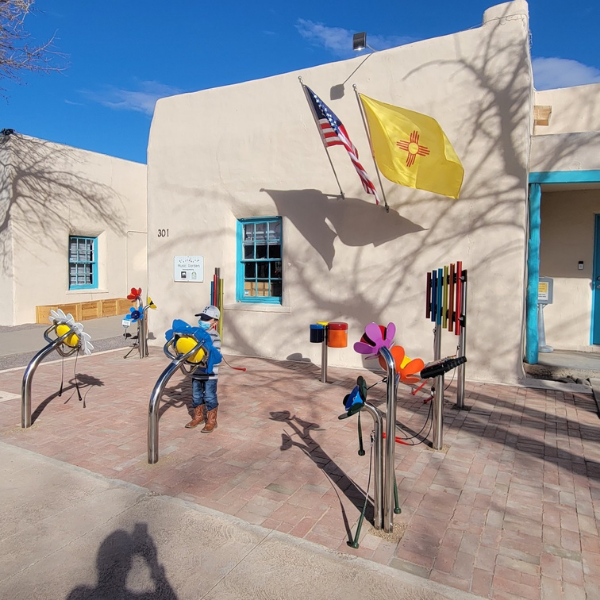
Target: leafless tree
x,y
17,54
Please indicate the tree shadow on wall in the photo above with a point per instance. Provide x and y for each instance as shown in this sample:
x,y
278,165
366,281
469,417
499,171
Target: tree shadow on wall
x,y
41,186
118,566
321,219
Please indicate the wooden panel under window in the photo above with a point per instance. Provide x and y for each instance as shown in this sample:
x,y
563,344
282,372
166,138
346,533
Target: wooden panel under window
x,y
108,308
90,310
83,311
74,309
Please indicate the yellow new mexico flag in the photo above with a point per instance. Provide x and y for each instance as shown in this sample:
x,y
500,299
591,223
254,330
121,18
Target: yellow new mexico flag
x,y
411,149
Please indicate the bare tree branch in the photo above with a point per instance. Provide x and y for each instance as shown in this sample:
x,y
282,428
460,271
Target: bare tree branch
x,y
17,54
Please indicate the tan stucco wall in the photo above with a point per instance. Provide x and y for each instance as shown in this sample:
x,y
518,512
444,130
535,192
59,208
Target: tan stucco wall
x,y
565,152
567,234
56,191
574,109
6,239
253,150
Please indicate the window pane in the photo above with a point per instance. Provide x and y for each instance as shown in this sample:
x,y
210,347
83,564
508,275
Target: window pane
x,y
276,270
262,288
275,251
274,231
261,232
249,289
250,270
248,251
261,251
276,289
263,270
249,232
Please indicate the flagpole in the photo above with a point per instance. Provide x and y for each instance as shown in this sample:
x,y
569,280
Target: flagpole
x,y
362,114
319,129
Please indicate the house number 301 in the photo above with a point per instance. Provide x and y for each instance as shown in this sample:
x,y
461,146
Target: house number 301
x,y
163,233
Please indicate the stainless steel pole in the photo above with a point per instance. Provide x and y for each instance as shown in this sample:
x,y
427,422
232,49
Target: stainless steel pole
x,y
324,358
438,400
28,377
377,464
390,474
437,342
154,406
462,341
153,409
438,413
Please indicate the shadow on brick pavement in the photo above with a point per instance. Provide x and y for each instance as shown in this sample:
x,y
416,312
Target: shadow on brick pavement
x,y
507,510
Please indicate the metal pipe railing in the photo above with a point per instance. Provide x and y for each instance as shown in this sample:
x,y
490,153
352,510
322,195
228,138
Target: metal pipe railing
x,y
377,465
390,473
159,387
324,358
438,400
30,370
462,342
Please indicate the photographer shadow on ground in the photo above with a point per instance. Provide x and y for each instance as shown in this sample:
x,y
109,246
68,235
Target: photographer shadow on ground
x,y
128,569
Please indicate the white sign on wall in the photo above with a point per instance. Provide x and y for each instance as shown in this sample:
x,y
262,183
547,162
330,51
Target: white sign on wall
x,y
188,268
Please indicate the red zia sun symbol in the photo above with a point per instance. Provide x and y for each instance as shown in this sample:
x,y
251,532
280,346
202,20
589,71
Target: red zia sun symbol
x,y
413,148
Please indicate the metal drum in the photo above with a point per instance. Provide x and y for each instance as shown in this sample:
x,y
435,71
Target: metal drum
x,y
317,333
337,335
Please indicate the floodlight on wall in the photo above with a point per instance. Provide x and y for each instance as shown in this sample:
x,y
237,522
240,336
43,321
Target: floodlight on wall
x,y
359,41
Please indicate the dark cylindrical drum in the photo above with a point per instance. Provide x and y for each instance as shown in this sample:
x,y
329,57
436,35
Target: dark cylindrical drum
x,y
317,333
337,335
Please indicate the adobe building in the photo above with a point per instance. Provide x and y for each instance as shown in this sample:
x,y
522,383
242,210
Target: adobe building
x,y
72,229
565,178
238,175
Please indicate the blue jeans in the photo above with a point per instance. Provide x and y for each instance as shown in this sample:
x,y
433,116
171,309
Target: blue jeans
x,y
204,392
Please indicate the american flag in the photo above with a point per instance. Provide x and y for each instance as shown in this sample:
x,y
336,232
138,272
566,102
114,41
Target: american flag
x,y
333,133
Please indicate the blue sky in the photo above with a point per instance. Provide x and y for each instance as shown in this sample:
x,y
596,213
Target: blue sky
x,y
121,56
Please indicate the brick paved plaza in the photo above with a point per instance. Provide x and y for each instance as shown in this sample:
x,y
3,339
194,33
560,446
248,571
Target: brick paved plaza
x,y
508,510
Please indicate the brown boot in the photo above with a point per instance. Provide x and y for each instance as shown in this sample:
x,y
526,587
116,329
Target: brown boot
x,y
198,417
211,421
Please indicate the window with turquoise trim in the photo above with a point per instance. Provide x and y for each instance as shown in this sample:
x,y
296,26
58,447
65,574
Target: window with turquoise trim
x,y
259,260
83,262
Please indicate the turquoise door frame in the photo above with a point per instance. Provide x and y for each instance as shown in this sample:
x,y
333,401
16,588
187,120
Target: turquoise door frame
x,y
595,333
533,247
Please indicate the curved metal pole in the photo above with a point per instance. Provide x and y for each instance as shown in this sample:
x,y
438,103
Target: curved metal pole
x,y
155,399
390,475
378,464
29,372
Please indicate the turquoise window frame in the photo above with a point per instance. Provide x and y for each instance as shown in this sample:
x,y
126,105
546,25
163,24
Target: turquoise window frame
x,y
240,274
94,263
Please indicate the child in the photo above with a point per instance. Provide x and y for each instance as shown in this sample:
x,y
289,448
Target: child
x,y
204,384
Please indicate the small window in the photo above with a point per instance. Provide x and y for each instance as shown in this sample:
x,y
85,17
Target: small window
x,y
259,277
83,263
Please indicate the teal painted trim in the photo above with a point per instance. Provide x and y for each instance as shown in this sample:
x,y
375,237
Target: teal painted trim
x,y
594,336
565,177
94,284
240,265
533,274
239,276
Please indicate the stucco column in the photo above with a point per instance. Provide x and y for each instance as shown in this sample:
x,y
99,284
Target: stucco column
x,y
533,273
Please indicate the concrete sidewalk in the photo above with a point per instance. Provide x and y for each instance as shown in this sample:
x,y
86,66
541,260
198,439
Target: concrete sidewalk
x,y
18,345
66,533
